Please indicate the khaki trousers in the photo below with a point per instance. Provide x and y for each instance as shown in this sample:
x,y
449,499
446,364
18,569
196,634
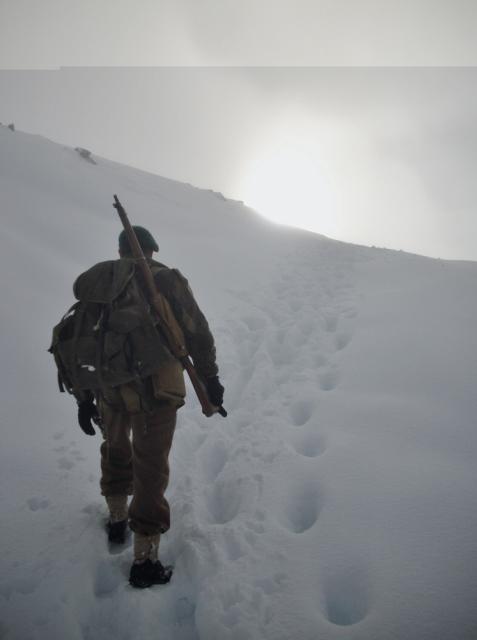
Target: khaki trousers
x,y
139,467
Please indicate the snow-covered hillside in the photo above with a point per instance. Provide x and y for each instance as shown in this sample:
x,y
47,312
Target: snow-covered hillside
x,y
337,500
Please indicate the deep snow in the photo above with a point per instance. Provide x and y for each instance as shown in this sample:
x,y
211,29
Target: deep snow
x,y
337,500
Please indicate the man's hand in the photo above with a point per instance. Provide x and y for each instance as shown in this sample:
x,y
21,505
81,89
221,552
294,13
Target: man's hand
x,y
87,412
215,391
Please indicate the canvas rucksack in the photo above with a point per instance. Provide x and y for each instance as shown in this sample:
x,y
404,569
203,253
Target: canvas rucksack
x,y
110,337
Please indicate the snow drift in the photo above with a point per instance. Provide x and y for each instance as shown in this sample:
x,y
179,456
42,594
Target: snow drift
x,y
336,501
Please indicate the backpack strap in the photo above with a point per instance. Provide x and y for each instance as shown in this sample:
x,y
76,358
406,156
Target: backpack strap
x,y
101,325
77,391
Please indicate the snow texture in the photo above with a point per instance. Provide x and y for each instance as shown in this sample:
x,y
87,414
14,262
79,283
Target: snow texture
x,y
338,499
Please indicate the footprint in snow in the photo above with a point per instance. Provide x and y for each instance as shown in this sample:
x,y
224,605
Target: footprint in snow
x,y
23,586
330,322
95,508
224,500
66,464
184,611
254,323
60,449
106,579
342,340
232,546
328,379
305,328
347,595
36,504
310,444
213,459
272,584
302,507
77,455
301,411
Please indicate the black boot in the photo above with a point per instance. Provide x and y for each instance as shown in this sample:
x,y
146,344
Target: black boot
x,y
147,573
117,531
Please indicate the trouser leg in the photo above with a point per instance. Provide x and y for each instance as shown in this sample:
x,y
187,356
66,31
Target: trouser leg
x,y
118,507
149,511
116,454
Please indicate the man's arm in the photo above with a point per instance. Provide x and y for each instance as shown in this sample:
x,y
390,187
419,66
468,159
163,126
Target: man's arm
x,y
199,340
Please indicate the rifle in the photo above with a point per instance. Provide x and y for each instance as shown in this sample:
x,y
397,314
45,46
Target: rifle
x,y
179,350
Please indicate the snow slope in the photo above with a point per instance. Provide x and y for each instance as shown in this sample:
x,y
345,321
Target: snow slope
x,y
338,499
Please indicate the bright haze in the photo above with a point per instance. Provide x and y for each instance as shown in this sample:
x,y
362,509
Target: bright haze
x,y
374,155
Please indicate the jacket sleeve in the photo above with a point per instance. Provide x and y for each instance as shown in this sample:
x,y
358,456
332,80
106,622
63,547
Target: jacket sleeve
x,y
199,339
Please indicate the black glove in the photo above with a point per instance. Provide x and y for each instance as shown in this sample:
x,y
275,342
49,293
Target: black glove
x,y
215,391
88,411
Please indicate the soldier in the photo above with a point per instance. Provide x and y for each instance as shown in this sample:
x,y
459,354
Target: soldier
x,y
144,408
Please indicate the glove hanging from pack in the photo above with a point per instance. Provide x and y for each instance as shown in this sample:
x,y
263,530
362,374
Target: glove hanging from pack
x,y
88,413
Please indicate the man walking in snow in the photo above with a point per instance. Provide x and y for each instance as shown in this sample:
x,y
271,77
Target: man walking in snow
x,y
145,407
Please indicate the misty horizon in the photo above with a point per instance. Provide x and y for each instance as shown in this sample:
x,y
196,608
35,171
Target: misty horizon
x,y
372,156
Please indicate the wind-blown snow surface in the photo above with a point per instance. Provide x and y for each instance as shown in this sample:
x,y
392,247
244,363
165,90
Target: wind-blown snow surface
x,y
337,500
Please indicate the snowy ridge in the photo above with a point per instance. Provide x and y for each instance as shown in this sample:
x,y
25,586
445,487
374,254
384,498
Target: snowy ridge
x,y
336,501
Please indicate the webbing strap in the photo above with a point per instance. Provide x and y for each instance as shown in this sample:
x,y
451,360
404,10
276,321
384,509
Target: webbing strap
x,y
74,369
60,383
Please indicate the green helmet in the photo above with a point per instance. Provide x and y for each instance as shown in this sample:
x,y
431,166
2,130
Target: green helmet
x,y
144,237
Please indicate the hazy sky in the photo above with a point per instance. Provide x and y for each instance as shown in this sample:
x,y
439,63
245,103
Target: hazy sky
x,y
49,33
381,155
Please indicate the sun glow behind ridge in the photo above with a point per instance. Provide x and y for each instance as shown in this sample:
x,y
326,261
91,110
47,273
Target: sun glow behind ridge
x,y
288,180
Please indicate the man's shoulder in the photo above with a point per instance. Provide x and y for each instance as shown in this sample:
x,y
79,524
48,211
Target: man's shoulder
x,y
104,280
168,279
163,271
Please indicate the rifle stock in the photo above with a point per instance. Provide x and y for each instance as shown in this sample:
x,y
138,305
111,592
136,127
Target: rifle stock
x,y
179,350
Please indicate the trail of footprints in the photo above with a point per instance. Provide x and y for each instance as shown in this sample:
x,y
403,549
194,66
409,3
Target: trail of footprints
x,y
284,350
346,591
68,455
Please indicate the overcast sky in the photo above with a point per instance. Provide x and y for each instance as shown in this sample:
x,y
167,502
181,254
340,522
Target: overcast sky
x,y
49,33
381,155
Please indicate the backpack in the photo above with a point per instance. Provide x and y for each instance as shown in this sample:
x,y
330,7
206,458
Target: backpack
x,y
110,336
